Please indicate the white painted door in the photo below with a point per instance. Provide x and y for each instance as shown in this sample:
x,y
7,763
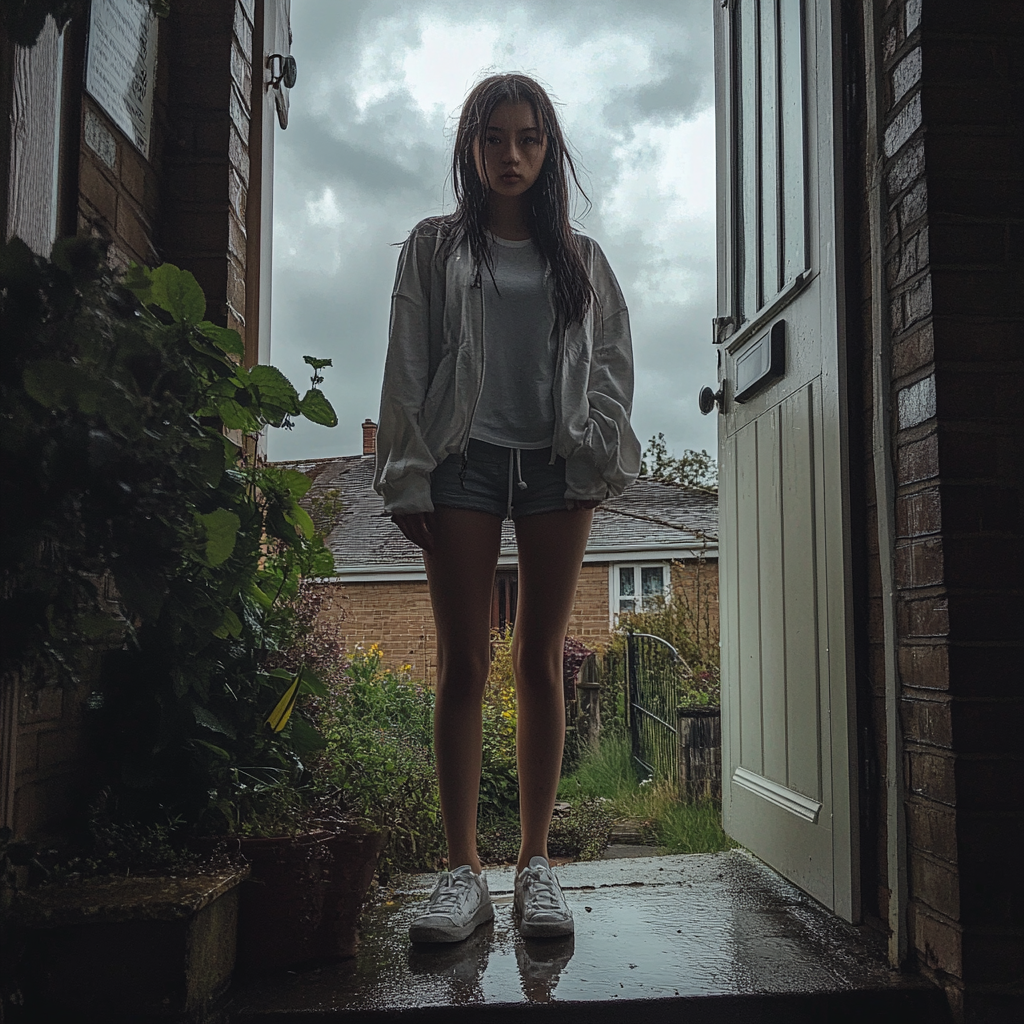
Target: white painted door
x,y
789,791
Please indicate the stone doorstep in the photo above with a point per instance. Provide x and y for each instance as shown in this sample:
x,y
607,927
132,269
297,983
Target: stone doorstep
x,y
708,938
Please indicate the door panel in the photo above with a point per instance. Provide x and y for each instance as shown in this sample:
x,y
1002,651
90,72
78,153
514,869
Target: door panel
x,y
786,680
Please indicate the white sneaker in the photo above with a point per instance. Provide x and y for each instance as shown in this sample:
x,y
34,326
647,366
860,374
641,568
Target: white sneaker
x,y
459,903
539,904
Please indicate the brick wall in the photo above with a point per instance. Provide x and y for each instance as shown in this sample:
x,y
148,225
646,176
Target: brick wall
x,y
207,155
973,96
590,610
954,195
397,616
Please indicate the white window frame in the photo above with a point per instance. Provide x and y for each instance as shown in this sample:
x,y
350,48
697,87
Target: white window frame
x,y
613,584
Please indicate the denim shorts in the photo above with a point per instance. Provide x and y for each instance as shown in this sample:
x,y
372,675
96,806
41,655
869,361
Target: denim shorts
x,y
505,482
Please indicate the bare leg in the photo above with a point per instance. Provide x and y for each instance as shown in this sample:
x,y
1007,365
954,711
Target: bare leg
x,y
551,548
460,572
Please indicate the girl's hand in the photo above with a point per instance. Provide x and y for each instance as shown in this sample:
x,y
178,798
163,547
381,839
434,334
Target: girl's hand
x,y
415,527
575,506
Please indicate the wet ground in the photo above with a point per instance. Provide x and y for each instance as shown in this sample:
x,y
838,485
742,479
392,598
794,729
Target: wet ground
x,y
716,937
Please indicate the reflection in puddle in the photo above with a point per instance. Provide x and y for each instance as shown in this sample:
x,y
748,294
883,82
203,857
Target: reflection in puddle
x,y
541,963
458,968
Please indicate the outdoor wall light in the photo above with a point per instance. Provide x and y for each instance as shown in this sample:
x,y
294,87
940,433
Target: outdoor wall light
x,y
286,70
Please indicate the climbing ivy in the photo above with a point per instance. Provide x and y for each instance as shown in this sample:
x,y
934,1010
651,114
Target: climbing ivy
x,y
134,525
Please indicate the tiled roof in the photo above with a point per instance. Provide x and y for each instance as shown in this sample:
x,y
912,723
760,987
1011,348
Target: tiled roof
x,y
649,516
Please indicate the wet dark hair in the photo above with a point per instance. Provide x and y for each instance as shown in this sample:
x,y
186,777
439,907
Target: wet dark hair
x,y
548,197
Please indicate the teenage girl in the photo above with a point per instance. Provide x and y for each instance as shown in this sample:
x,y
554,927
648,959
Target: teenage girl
x,y
507,393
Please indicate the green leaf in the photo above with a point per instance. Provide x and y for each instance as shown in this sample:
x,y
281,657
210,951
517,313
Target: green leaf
x,y
261,599
224,338
209,462
219,752
230,625
208,720
311,683
300,519
304,738
296,482
57,385
314,406
317,364
235,416
139,281
274,388
178,292
221,528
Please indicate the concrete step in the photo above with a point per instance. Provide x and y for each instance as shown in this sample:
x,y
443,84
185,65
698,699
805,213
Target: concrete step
x,y
706,938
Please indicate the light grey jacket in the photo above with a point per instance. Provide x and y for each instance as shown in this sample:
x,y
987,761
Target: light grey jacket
x,y
434,370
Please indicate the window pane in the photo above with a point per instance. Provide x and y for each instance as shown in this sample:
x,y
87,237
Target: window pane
x,y
792,109
652,581
747,246
627,587
769,153
627,606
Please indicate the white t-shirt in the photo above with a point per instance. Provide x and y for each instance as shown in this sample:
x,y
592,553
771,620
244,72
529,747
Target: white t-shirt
x,y
516,408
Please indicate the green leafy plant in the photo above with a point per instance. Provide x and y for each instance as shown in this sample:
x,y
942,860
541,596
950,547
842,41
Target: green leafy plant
x,y
691,469
134,524
378,762
499,779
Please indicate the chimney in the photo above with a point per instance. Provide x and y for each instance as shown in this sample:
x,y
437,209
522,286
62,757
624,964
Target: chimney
x,y
369,437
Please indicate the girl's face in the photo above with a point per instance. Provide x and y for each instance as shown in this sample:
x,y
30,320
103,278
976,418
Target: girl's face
x,y
511,148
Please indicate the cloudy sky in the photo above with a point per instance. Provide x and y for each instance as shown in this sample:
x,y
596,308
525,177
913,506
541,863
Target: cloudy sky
x,y
366,155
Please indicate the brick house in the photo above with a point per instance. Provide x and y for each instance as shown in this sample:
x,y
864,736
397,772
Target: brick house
x,y
654,538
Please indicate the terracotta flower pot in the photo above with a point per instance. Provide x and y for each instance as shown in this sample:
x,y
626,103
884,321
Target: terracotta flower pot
x,y
302,899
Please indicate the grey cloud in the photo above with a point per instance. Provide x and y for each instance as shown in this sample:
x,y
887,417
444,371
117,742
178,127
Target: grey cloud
x,y
682,92
327,157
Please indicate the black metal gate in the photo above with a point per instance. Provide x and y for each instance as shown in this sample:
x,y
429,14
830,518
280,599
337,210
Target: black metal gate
x,y
654,672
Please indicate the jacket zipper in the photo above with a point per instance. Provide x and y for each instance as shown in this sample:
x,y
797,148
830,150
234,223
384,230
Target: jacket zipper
x,y
480,382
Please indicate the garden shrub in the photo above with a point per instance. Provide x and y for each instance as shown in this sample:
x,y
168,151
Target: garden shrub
x,y
378,763
582,834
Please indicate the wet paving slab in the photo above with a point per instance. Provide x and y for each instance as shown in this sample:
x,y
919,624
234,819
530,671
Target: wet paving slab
x,y
716,937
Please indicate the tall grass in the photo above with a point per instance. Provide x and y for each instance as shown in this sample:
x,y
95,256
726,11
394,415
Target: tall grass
x,y
608,773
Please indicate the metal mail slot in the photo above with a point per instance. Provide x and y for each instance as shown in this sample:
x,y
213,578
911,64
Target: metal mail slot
x,y
761,362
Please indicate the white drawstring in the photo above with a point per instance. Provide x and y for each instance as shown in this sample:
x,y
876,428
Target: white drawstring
x,y
519,470
515,461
